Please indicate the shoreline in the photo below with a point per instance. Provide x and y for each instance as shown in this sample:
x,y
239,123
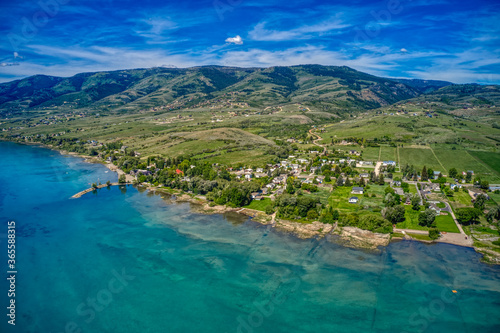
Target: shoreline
x,y
350,236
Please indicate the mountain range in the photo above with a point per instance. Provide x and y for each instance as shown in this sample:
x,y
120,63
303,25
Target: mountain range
x,y
328,88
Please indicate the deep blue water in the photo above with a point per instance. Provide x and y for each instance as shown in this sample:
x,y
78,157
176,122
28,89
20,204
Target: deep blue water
x,y
179,271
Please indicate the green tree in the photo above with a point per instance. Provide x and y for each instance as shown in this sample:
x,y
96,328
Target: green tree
x,y
480,201
340,181
434,233
468,215
427,217
484,185
424,175
453,173
468,177
493,214
395,214
122,179
415,202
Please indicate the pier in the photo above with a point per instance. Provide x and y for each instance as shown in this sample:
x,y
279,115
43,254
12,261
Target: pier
x,y
79,194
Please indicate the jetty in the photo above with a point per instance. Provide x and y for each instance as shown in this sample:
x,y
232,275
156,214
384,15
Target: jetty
x,y
79,194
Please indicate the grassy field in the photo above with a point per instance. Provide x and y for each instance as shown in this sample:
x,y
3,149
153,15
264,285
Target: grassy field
x,y
259,204
388,153
446,223
371,153
411,221
460,199
419,157
247,157
489,158
339,200
323,194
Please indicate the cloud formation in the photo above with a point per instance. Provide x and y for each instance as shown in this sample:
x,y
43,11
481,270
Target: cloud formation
x,y
235,40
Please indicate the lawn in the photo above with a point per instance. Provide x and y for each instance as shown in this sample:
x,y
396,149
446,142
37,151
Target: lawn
x,y
259,204
492,160
322,194
411,221
418,158
460,199
339,200
446,223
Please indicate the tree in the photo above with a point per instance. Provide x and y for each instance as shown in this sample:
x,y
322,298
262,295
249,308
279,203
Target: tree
x,y
381,179
468,177
108,183
425,175
395,214
122,179
453,173
347,182
340,181
434,233
484,184
427,217
389,200
415,202
468,215
480,201
493,213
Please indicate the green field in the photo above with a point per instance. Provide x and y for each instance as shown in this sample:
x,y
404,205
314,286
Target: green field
x,y
489,158
259,204
411,221
446,223
371,153
388,153
419,158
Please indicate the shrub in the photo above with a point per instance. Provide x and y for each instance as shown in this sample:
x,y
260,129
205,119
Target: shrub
x,y
433,233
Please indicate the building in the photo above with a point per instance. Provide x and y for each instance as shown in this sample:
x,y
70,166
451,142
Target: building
x,y
389,163
353,200
357,190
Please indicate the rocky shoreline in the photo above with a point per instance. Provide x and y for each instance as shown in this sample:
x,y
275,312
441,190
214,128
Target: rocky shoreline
x,y
350,236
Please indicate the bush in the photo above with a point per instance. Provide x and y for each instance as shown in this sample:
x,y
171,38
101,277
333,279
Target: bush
x,y
122,179
434,233
269,210
497,242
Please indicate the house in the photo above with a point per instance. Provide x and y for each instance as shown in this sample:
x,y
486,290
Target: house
x,y
453,186
493,188
399,190
389,163
357,190
260,170
436,174
364,175
255,194
396,183
248,176
353,200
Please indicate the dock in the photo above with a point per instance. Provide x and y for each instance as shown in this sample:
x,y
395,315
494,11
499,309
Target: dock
x,y
79,194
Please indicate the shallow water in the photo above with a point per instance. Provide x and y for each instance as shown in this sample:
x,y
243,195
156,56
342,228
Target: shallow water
x,y
188,272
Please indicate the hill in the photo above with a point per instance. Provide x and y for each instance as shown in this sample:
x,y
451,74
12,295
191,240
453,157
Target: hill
x,y
328,88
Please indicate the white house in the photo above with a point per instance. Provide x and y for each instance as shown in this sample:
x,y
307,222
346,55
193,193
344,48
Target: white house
x,y
357,190
353,200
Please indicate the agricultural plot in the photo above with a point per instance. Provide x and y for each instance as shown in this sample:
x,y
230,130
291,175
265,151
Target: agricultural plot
x,y
418,157
248,157
371,153
388,153
489,158
463,161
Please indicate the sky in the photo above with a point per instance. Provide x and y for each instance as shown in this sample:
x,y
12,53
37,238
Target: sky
x,y
457,41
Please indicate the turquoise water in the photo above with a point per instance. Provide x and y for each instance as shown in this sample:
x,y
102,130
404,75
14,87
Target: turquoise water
x,y
180,271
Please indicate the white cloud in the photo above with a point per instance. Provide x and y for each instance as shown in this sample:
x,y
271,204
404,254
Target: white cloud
x,y
261,33
235,40
403,50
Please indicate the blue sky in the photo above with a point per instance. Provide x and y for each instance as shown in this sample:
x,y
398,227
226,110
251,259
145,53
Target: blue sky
x,y
457,41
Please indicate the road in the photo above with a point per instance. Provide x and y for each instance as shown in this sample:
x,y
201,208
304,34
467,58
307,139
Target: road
x,y
318,139
377,168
